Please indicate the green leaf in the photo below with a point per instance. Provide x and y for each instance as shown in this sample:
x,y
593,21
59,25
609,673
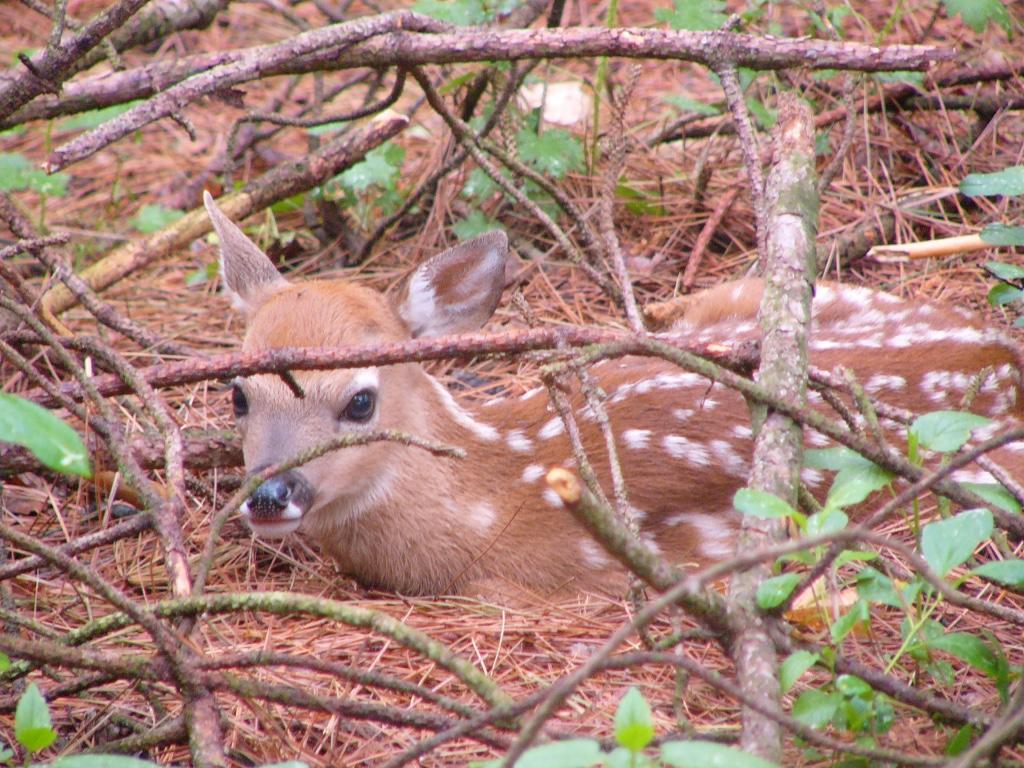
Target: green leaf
x,y
1009,181
5,755
852,686
1003,234
479,186
816,708
908,77
774,591
834,459
5,662
684,104
794,666
49,439
153,218
969,648
706,754
1002,271
996,495
946,544
86,121
873,586
961,741
554,152
380,168
1002,294
1009,572
766,506
829,520
474,224
462,13
325,128
634,728
571,753
978,13
842,626
695,15
946,431
114,761
32,726
854,484
16,173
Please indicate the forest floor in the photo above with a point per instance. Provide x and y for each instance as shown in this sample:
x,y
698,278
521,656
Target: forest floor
x,y
903,167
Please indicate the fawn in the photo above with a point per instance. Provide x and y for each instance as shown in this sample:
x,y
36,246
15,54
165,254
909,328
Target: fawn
x,y
400,519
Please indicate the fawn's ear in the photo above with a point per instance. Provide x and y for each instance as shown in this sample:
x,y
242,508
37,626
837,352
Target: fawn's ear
x,y
458,290
249,276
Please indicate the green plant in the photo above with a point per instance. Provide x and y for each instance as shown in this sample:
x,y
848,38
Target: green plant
x,y
47,437
371,184
634,731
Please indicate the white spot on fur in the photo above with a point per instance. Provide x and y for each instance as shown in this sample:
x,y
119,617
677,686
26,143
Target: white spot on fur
x,y
812,477
681,447
881,381
552,498
519,442
973,476
593,555
637,439
815,439
552,428
494,401
482,516
464,418
728,458
682,413
530,393
715,537
742,432
532,473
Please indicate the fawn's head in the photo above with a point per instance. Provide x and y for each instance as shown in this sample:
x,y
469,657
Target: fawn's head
x,y
453,292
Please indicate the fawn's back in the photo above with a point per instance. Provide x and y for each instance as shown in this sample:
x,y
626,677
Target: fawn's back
x,y
401,519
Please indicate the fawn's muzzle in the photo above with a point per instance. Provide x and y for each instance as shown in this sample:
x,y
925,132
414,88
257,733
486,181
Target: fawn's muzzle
x,y
276,508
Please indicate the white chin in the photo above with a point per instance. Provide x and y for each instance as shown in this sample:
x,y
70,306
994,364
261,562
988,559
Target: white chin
x,y
289,522
273,530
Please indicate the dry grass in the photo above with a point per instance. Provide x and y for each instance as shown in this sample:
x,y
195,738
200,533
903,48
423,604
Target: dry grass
x,y
521,648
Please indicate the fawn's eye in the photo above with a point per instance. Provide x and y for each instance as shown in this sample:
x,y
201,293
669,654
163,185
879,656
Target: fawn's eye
x,y
239,402
360,407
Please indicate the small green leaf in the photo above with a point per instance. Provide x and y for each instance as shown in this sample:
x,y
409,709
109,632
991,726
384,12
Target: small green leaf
x,y
842,626
634,728
684,104
766,506
1007,272
961,741
1001,294
115,761
816,708
1009,181
696,15
853,686
829,520
946,431
5,755
900,76
153,218
555,152
1009,572
834,459
479,186
5,662
49,439
874,586
1003,234
946,544
474,224
17,172
571,753
706,754
461,13
94,118
774,591
854,484
32,726
969,648
794,666
996,495
978,13
380,168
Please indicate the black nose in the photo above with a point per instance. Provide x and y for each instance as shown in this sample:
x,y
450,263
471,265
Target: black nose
x,y
270,499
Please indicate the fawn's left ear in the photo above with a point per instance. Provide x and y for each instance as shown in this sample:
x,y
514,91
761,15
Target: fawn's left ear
x,y
249,277
458,290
